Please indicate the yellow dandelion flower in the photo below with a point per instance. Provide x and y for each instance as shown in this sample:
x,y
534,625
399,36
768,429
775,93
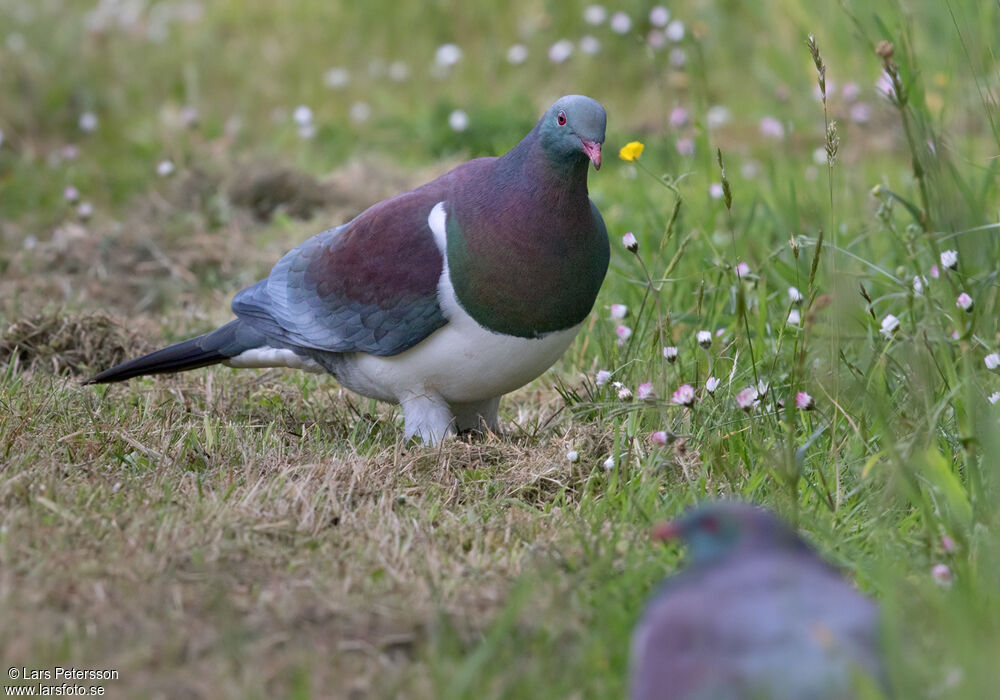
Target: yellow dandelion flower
x,y
631,151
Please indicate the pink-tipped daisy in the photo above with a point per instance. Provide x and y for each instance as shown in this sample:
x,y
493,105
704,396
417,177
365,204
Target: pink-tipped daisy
x,y
746,398
679,117
772,128
684,396
941,575
685,146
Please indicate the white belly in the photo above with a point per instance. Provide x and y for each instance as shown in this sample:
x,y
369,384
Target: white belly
x,y
461,362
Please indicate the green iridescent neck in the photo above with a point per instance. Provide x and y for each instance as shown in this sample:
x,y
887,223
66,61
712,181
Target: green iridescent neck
x,y
530,259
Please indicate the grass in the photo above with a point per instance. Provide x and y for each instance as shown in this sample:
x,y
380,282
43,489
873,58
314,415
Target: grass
x,y
263,534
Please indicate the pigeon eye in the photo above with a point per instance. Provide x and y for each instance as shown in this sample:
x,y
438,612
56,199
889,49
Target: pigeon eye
x,y
561,118
710,524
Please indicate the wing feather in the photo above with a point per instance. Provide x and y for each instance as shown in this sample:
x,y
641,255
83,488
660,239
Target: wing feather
x,y
369,285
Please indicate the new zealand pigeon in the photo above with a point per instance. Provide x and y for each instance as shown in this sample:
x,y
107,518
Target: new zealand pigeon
x,y
441,299
757,614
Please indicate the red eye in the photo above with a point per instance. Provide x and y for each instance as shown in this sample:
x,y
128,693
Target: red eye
x,y
710,524
561,118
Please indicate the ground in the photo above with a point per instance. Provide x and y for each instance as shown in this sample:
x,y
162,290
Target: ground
x,y
228,533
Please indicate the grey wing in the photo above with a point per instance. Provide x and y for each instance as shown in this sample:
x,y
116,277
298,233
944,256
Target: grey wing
x,y
367,286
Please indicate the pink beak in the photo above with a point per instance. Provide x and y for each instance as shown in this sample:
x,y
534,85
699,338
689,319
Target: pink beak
x,y
666,532
593,151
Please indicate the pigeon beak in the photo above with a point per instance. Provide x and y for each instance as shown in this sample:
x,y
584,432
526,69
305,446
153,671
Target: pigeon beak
x,y
666,532
593,151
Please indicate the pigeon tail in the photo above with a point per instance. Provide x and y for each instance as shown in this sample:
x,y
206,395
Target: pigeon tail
x,y
209,349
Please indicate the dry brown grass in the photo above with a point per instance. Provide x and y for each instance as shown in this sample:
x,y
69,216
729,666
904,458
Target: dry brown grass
x,y
69,343
180,252
212,535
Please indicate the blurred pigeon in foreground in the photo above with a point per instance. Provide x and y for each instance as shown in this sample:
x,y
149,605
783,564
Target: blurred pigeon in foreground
x,y
758,614
441,299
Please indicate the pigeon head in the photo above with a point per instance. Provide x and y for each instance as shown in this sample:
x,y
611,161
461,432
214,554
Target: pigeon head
x,y
717,530
573,129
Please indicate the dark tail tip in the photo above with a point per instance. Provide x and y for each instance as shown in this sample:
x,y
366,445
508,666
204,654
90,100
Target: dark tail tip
x,y
175,358
198,352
